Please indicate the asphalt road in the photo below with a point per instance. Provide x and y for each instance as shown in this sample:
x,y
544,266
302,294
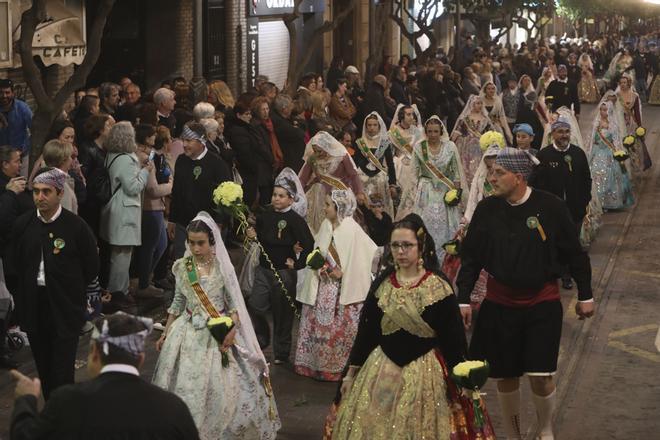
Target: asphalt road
x,y
608,369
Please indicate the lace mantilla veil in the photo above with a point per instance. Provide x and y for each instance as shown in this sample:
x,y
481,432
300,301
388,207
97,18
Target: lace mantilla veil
x,y
251,350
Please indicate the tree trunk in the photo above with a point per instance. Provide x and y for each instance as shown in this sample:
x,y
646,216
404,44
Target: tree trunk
x,y
48,108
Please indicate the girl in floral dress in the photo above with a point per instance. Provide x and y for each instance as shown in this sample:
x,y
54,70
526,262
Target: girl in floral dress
x,y
229,402
611,177
332,296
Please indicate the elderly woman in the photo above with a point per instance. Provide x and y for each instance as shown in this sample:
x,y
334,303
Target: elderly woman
x,y
121,218
58,155
203,110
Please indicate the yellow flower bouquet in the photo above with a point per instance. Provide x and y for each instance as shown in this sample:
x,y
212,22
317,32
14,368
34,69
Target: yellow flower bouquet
x,y
640,132
315,260
452,247
228,197
491,138
629,140
472,375
621,155
453,197
220,328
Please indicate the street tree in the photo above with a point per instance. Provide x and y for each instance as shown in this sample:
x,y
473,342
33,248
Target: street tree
x,y
414,26
49,107
532,15
299,61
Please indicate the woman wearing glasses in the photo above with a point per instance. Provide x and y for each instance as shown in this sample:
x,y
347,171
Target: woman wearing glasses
x,y
410,336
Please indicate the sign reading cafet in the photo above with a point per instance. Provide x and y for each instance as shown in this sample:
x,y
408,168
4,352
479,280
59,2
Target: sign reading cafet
x,y
60,39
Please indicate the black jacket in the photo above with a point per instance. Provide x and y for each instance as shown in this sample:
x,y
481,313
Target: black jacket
x,y
253,154
563,95
12,205
399,92
68,270
111,406
568,179
374,101
291,140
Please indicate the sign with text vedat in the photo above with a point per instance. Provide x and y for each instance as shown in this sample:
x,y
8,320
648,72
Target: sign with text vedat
x,y
252,50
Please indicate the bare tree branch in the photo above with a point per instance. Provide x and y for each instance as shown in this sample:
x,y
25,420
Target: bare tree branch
x,y
79,77
29,21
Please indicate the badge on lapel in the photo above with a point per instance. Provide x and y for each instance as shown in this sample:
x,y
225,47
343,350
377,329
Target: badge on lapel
x,y
58,245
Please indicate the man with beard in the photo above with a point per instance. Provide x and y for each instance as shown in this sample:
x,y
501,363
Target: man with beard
x,y
564,171
521,237
564,92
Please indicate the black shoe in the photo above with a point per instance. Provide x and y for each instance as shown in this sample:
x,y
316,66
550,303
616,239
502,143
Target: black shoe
x,y
6,363
567,283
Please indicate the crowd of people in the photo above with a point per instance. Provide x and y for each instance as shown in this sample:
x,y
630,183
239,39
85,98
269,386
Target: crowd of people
x,y
419,184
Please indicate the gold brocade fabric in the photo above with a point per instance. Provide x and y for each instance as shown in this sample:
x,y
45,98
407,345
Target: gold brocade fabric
x,y
588,89
390,402
402,307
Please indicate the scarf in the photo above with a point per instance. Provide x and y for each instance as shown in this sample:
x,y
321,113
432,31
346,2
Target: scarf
x,y
278,157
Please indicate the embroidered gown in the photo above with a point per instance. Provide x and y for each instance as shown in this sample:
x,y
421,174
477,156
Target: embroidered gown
x,y
587,87
374,179
408,339
640,160
406,177
468,144
441,220
326,333
613,187
225,402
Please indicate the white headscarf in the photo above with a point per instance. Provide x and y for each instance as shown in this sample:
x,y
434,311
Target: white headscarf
x,y
289,180
395,120
249,349
612,120
444,136
576,134
618,111
477,188
354,247
327,143
375,141
468,109
585,61
530,87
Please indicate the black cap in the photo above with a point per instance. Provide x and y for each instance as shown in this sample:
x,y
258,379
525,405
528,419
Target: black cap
x,y
6,83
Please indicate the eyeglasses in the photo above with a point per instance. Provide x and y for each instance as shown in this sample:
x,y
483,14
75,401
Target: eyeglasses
x,y
402,246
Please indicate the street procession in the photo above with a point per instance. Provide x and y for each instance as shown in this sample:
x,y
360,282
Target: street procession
x,y
329,219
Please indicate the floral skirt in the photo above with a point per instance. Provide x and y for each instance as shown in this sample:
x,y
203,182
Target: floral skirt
x,y
413,402
225,402
326,334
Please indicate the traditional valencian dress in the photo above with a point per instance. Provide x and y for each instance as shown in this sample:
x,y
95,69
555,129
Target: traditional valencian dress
x,y
408,340
320,176
466,135
232,402
496,114
640,160
403,140
375,161
437,174
587,87
331,307
612,180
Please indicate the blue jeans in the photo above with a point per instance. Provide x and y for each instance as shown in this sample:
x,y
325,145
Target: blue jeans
x,y
154,242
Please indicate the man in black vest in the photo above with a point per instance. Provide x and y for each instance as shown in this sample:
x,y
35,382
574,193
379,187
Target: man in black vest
x,y
564,171
563,92
54,258
116,403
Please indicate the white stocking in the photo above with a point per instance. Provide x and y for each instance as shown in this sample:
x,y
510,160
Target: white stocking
x,y
545,407
510,404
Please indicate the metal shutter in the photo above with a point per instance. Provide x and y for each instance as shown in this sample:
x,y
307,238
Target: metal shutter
x,y
274,51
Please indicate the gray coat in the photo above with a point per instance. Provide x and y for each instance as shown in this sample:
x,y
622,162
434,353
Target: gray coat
x,y
121,218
